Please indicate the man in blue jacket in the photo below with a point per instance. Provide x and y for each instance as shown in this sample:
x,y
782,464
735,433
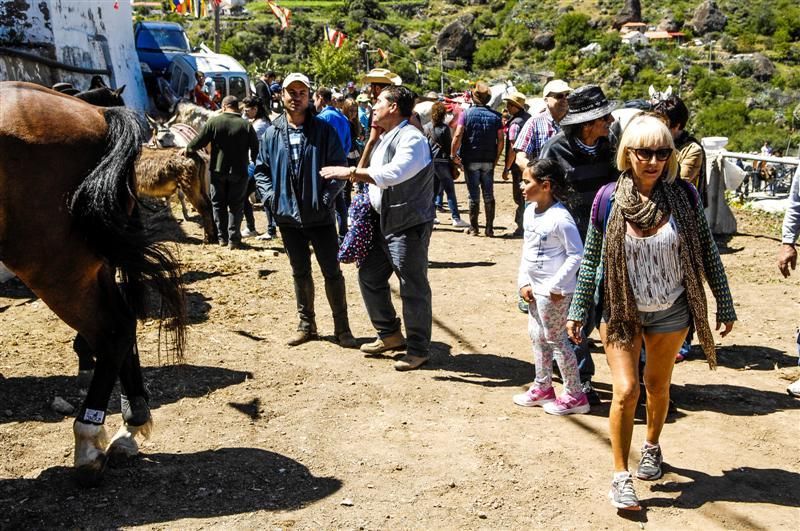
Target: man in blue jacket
x,y
293,150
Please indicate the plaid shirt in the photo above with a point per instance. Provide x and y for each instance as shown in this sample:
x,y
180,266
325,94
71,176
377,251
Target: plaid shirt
x,y
535,133
295,143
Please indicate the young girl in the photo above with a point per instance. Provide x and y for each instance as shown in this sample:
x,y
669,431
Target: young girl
x,y
551,256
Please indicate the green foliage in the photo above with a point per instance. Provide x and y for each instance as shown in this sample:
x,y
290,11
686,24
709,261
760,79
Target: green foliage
x,y
332,66
742,68
491,53
574,29
362,9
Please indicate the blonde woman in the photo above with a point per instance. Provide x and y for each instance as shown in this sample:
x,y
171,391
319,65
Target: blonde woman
x,y
647,250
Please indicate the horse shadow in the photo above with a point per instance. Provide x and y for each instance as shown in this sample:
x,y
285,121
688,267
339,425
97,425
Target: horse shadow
x,y
166,385
753,357
161,488
488,370
744,485
731,399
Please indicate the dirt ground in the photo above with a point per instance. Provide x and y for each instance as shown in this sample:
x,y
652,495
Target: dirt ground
x,y
253,434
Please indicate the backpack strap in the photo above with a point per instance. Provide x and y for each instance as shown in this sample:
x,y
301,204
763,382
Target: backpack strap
x,y
601,206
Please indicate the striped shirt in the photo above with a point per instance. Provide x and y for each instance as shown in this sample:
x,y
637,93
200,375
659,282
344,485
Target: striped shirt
x,y
535,133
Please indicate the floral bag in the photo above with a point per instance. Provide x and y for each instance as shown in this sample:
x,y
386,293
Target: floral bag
x,y
358,241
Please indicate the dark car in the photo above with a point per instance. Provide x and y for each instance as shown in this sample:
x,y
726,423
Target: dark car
x,y
157,43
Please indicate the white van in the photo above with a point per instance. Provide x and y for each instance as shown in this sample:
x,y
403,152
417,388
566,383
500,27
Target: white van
x,y
230,78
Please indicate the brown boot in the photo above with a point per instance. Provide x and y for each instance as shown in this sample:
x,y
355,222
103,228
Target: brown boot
x,y
474,212
302,336
489,217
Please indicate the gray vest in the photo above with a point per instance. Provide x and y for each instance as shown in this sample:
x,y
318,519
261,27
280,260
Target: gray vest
x,y
409,203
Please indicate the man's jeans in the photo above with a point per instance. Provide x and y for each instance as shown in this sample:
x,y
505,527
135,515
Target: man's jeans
x,y
405,254
228,192
480,177
326,248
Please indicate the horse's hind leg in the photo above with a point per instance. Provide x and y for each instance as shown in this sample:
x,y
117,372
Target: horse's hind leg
x,y
86,361
184,210
135,411
88,299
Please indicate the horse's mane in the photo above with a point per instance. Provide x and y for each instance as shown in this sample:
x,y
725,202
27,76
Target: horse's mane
x,y
190,114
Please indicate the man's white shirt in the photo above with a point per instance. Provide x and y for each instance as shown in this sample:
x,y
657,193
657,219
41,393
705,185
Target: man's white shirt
x,y
411,155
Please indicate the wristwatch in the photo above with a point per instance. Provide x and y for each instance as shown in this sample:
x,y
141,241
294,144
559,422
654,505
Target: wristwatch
x,y
352,174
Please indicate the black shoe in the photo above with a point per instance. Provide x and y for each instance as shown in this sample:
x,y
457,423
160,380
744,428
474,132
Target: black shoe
x,y
591,394
235,245
302,336
223,243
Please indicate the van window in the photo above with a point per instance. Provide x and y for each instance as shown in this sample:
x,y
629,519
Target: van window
x,y
183,85
161,39
238,87
219,86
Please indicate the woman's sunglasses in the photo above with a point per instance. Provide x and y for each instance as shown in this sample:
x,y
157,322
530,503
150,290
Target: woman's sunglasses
x,y
647,154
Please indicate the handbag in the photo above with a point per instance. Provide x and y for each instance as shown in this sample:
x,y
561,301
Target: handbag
x,y
454,170
357,242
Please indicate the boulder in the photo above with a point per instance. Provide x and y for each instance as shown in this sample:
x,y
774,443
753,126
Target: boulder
x,y
455,41
763,69
544,41
669,23
411,39
631,12
707,18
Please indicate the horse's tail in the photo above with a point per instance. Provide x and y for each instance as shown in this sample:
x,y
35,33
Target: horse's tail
x,y
105,208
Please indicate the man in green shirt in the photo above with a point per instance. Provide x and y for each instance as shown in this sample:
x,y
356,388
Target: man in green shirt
x,y
233,143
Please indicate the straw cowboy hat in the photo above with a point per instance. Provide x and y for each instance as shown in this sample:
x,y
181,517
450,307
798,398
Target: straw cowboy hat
x,y
516,98
382,76
429,96
587,103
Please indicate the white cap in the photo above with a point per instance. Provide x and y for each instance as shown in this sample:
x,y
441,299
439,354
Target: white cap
x,y
555,86
296,76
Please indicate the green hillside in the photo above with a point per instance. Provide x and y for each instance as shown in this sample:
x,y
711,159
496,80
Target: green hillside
x,y
747,98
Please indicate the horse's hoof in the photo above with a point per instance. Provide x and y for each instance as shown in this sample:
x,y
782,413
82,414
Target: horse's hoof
x,y
91,474
119,457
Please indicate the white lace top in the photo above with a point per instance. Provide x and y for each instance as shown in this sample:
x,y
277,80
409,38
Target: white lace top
x,y
654,268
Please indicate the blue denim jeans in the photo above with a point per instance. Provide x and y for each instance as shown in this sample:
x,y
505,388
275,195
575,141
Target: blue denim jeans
x,y
480,178
406,255
446,186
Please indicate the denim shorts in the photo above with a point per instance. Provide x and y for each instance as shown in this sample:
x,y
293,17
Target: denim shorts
x,y
675,318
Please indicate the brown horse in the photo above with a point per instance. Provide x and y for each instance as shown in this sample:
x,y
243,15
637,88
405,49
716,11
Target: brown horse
x,y
69,224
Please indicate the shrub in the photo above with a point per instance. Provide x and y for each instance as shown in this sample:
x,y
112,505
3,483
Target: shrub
x,y
491,53
574,29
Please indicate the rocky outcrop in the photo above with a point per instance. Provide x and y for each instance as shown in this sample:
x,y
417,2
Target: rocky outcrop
x,y
544,41
669,23
631,12
763,69
707,18
411,39
456,42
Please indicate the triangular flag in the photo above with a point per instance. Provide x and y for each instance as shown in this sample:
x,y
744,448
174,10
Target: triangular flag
x,y
283,15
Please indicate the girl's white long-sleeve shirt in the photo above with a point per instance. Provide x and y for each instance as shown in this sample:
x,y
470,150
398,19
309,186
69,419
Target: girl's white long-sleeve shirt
x,y
551,252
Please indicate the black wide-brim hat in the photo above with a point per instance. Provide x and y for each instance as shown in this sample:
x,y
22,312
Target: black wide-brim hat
x,y
587,103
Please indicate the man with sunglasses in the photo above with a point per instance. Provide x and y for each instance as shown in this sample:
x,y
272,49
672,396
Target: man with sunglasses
x,y
584,152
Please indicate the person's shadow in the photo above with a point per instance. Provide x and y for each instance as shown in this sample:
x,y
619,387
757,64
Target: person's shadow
x,y
747,485
162,488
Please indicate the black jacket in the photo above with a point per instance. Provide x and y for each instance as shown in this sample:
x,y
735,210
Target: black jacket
x,y
304,200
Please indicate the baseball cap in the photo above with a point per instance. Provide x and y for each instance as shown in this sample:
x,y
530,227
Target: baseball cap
x,y
362,98
296,76
555,86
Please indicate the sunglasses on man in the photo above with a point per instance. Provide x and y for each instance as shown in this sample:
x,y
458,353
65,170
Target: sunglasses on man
x,y
647,154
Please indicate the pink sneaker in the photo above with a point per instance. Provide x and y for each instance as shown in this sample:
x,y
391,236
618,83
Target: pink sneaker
x,y
535,397
568,405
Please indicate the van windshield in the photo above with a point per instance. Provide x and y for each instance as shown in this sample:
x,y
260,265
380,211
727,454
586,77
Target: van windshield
x,y
162,39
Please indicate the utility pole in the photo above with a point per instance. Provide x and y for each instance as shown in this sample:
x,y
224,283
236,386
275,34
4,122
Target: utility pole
x,y
216,27
441,70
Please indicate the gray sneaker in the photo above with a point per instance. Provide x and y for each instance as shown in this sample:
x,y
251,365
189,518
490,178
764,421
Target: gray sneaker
x,y
650,463
622,494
